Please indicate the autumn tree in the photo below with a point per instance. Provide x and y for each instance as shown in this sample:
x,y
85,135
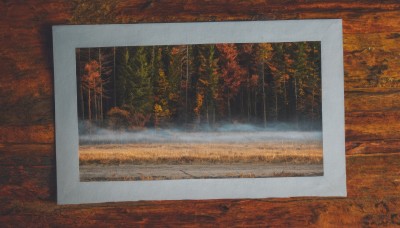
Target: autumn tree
x,y
80,89
263,54
91,83
161,86
176,75
314,80
277,67
161,89
299,73
207,92
249,88
186,62
231,73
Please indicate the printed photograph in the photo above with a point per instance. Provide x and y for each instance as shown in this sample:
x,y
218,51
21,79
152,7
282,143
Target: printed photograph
x,y
227,110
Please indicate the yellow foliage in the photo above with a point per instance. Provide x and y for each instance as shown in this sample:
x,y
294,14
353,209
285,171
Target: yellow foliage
x,y
199,103
160,112
173,96
204,82
157,108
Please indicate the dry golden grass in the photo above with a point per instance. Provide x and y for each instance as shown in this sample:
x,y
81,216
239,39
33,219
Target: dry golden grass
x,y
215,153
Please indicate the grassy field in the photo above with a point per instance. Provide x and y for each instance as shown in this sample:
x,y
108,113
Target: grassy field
x,y
202,153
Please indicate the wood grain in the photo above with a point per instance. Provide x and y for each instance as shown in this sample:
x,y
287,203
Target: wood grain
x,y
372,79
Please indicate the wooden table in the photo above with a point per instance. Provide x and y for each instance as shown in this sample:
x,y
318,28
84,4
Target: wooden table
x,y
372,99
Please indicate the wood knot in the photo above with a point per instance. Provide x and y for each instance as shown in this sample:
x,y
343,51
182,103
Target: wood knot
x,y
224,208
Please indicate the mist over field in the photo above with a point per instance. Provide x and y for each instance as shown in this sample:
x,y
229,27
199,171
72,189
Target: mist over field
x,y
229,133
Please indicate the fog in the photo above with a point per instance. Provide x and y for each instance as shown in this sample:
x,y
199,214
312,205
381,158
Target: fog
x,y
229,133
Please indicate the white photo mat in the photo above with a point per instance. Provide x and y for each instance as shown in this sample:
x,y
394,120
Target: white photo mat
x,y
69,37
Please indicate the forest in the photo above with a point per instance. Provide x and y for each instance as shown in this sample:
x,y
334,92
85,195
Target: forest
x,y
200,87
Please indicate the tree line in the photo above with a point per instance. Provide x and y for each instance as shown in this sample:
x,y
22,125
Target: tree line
x,y
193,86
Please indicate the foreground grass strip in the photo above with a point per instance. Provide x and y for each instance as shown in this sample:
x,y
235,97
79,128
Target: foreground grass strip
x,y
202,153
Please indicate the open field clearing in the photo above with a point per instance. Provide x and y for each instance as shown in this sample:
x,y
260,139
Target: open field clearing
x,y
179,153
153,161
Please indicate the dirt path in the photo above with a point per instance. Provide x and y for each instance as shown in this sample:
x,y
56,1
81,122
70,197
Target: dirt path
x,y
96,172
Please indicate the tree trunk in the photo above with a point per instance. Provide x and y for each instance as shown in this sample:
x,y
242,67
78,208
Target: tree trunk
x,y
229,106
89,96
295,103
89,105
263,90
241,101
114,82
187,83
255,104
276,103
207,114
80,85
82,102
248,99
285,102
101,89
213,118
312,107
95,99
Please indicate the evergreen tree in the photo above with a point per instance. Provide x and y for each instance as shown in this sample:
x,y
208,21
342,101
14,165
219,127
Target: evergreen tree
x,y
207,92
134,83
140,95
170,85
161,90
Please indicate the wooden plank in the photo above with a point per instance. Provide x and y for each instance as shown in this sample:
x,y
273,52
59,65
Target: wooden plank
x,y
376,126
371,61
372,146
299,212
27,134
372,100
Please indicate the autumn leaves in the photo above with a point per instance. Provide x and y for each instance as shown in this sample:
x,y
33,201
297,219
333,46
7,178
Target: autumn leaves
x,y
200,85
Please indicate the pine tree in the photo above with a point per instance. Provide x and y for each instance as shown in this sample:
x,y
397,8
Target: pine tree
x,y
140,96
161,90
314,80
207,92
123,73
134,84
299,79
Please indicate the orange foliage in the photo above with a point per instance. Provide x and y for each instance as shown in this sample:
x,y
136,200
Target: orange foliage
x,y
254,80
199,103
92,70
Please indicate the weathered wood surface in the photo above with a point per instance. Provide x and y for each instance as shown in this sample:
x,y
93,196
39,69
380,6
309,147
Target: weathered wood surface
x,y
372,92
